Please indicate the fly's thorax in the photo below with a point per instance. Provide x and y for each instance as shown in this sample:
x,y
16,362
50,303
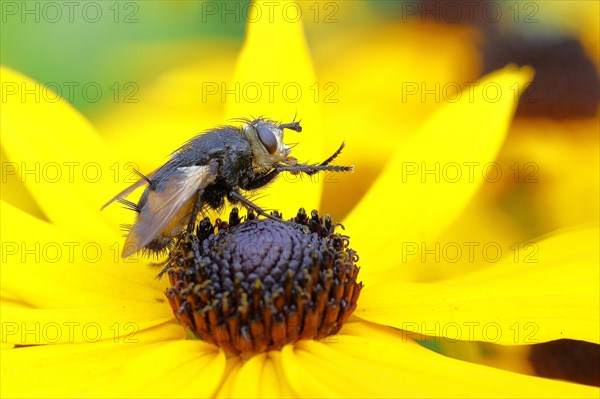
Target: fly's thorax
x,y
266,141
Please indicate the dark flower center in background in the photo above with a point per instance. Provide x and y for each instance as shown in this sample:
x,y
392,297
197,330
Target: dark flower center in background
x,y
260,284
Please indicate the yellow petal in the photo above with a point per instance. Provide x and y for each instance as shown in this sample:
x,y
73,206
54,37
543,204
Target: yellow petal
x,y
261,377
274,78
425,373
11,299
63,162
68,265
70,370
458,141
183,368
233,367
273,370
24,326
248,379
373,361
549,292
14,191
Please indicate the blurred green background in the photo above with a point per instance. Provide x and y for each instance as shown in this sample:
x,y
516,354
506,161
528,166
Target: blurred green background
x,y
112,42
106,41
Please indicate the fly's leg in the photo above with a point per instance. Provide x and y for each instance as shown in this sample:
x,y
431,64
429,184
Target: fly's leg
x,y
195,211
234,195
262,180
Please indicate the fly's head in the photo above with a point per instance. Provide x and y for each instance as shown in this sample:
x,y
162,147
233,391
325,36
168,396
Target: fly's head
x,y
266,139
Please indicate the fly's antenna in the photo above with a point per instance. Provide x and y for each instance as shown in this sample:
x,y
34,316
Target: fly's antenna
x,y
292,126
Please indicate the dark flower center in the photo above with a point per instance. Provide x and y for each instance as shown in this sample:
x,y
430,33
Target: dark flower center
x,y
260,284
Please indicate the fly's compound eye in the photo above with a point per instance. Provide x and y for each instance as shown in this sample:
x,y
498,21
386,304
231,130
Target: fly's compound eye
x,y
267,138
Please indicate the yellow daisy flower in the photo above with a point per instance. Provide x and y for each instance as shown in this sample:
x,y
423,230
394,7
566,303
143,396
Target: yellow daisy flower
x,y
76,321
84,325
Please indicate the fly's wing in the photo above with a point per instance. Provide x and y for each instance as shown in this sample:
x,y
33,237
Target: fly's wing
x,y
164,203
129,190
